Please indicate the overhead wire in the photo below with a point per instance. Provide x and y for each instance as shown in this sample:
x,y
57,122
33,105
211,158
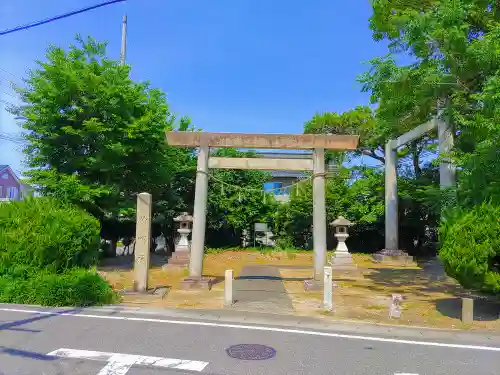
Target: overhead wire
x,y
11,74
55,18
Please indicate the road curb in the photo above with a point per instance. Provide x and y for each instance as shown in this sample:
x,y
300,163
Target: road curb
x,y
304,322
279,321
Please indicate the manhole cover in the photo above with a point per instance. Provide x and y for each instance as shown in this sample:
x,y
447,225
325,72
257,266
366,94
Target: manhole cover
x,y
253,352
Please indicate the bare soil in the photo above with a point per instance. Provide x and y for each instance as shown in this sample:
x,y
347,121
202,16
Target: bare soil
x,y
364,295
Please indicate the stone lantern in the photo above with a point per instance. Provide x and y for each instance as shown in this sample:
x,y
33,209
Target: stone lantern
x,y
180,258
341,255
185,225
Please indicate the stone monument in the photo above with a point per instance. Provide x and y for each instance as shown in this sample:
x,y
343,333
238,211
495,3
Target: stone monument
x,y
180,257
142,242
341,257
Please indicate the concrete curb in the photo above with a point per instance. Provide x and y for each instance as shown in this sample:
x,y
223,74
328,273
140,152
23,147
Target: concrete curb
x,y
303,322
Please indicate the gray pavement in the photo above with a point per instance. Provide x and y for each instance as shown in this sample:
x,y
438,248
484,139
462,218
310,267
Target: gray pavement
x,y
260,288
27,337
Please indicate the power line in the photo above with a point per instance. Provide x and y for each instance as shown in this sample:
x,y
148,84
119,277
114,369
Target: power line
x,y
7,103
11,74
11,138
65,15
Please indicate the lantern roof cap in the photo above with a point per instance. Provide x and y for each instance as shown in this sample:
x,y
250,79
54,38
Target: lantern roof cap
x,y
341,222
183,217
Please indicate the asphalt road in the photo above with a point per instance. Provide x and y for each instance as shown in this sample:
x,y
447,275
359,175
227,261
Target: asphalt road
x,y
103,343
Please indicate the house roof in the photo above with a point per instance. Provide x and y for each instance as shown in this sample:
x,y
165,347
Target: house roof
x,y
4,167
289,174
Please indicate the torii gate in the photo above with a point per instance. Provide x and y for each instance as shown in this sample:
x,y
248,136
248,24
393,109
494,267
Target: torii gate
x,y
447,178
317,143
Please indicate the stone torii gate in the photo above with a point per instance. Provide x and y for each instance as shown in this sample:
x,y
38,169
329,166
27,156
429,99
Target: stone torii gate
x,y
204,141
391,252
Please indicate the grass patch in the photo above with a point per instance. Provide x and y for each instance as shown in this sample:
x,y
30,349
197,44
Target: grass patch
x,y
75,287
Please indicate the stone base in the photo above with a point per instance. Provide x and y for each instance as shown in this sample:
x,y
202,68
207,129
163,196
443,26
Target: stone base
x,y
312,284
178,260
397,257
154,293
197,283
341,259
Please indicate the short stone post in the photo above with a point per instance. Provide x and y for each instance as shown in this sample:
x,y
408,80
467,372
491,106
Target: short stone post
x,y
395,308
142,242
328,289
467,310
228,288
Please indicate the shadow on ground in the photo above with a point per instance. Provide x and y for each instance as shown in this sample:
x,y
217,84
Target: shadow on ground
x,y
126,262
484,310
13,325
278,278
26,354
411,281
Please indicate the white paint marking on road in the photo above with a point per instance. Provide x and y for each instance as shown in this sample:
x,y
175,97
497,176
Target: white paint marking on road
x,y
404,373
119,364
260,328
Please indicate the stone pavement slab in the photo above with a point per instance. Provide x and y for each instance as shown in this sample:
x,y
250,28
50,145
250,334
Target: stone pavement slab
x,y
260,288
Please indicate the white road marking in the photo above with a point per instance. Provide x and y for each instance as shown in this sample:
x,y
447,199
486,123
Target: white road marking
x,y
260,328
404,373
119,364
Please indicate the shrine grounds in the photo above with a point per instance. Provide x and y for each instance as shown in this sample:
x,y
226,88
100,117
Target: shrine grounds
x,y
273,282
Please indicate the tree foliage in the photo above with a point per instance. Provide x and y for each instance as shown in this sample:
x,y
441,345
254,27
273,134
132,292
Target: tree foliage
x,y
97,138
471,246
236,199
44,233
454,50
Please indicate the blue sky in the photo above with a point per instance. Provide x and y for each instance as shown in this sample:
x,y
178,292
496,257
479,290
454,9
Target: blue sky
x,y
243,66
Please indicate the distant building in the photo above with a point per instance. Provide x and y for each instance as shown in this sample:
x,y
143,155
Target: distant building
x,y
281,181
11,188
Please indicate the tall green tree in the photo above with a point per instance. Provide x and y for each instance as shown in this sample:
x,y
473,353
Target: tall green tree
x,y
236,199
95,137
454,48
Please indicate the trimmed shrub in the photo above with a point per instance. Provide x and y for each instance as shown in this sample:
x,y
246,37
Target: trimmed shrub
x,y
44,233
470,247
76,287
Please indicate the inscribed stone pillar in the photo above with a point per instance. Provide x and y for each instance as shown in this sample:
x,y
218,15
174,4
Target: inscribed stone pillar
x,y
319,214
142,242
199,214
391,199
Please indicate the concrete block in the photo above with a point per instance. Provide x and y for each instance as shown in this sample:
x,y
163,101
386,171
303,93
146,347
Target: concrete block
x,y
328,289
467,310
228,288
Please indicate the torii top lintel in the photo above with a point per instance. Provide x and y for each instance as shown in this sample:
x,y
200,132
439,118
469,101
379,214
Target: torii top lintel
x,y
263,141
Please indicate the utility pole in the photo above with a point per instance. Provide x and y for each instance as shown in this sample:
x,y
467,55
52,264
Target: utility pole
x,y
123,51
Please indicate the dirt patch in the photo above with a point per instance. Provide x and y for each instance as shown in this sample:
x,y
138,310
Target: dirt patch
x,y
363,295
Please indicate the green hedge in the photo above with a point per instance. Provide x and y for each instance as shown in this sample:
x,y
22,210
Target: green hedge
x,y
470,247
47,249
43,233
76,287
